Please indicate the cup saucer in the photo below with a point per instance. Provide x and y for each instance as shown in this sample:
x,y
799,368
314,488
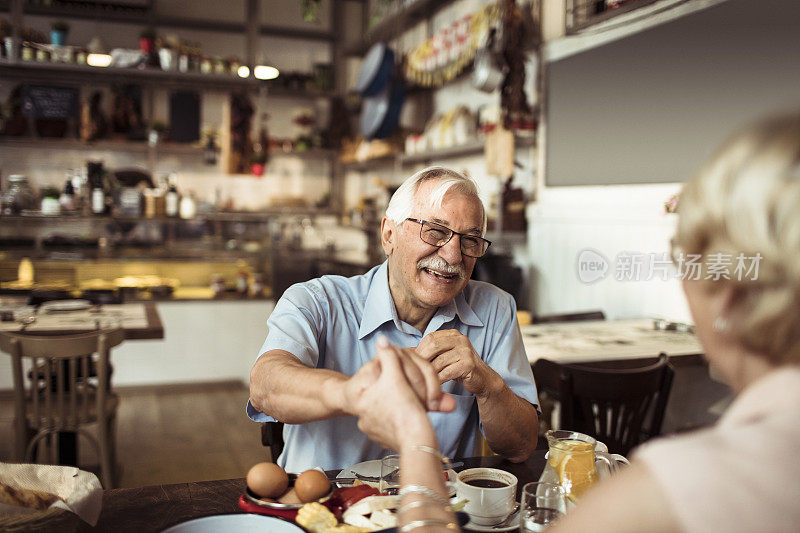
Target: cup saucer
x,y
512,523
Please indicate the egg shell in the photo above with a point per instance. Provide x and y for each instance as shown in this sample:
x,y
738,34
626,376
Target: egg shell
x,y
267,480
312,485
289,497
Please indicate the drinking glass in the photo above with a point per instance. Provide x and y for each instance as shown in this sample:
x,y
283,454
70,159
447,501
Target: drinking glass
x,y
542,503
390,474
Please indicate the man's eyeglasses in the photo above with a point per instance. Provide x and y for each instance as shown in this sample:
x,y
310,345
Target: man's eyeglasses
x,y
438,235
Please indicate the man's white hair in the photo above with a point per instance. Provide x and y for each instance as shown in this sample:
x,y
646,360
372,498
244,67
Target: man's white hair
x,y
401,205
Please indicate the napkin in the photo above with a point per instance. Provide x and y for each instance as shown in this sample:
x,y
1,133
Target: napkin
x,y
79,492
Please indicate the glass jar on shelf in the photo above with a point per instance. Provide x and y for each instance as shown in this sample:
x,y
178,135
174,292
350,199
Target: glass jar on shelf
x,y
19,197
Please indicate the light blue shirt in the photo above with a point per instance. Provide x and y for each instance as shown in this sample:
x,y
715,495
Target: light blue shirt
x,y
333,322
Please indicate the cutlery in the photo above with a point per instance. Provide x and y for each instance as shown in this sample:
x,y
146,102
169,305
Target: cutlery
x,y
512,515
375,479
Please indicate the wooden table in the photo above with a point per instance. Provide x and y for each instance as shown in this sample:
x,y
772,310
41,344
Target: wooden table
x,y
157,507
138,320
611,340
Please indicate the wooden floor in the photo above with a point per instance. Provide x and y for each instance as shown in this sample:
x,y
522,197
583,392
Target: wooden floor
x,y
172,436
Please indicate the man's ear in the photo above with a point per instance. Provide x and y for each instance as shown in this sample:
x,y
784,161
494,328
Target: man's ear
x,y
388,235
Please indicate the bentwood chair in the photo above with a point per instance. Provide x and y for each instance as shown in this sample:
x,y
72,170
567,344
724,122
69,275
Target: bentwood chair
x,y
622,407
569,317
57,397
272,438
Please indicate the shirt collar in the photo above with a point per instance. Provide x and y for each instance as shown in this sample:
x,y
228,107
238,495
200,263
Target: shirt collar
x,y
379,307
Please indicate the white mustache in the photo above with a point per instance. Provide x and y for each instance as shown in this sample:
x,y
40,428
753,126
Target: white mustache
x,y
434,262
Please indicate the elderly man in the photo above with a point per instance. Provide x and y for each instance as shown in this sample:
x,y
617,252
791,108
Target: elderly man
x,y
460,334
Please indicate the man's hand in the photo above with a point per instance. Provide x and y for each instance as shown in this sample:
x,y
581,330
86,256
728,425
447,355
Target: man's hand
x,y
417,374
453,357
388,401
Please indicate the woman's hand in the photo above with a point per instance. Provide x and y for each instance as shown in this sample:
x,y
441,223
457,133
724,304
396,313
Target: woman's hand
x,y
392,394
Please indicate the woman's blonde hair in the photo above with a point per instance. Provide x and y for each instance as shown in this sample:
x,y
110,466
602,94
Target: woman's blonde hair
x,y
746,202
401,205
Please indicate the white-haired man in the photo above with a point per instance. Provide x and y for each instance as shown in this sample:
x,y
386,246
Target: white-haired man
x,y
459,336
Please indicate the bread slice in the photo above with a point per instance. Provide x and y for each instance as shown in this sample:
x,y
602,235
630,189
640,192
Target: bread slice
x,y
33,499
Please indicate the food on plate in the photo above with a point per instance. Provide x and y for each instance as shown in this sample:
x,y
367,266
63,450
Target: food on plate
x,y
311,485
33,499
345,497
290,497
373,512
267,480
316,518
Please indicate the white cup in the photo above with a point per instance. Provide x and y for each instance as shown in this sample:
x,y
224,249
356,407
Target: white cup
x,y
487,506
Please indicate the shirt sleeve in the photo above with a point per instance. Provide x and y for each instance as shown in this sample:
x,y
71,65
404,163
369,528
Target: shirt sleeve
x,y
507,355
295,325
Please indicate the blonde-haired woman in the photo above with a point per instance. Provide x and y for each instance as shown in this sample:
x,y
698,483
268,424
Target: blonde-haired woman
x,y
742,212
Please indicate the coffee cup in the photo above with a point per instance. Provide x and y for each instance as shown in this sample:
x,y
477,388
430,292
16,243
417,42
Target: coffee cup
x,y
490,494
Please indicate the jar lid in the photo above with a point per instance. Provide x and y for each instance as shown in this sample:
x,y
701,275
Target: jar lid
x,y
17,177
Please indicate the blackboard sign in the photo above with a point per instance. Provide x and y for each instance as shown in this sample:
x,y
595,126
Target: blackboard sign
x,y
41,101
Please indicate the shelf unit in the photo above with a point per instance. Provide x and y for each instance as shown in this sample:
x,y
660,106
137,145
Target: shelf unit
x,y
141,146
142,15
396,21
65,73
471,148
263,215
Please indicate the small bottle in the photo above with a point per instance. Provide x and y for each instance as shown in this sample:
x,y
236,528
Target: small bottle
x,y
172,198
98,195
242,284
67,198
188,207
98,199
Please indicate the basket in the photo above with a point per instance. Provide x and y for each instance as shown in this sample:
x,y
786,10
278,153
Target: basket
x,y
52,519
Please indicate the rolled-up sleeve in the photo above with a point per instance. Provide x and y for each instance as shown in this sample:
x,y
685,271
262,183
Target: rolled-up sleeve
x,y
294,326
507,355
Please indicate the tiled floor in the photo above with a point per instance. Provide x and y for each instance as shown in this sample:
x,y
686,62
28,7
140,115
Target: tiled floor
x,y
172,437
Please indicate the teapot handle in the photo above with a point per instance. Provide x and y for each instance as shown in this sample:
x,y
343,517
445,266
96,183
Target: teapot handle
x,y
612,460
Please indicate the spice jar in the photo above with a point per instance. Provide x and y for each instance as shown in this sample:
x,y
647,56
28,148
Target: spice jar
x,y
19,196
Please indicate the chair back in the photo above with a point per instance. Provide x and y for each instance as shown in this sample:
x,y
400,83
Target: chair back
x,y
569,317
272,437
621,407
59,395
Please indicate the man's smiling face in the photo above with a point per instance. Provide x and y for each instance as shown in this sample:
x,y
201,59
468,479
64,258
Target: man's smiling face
x,y
423,277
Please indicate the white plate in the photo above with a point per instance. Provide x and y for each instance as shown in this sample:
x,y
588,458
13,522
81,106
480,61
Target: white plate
x,y
65,305
373,468
235,523
512,524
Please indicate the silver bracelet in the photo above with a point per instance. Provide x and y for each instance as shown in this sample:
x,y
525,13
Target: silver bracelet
x,y
425,491
429,449
416,503
427,522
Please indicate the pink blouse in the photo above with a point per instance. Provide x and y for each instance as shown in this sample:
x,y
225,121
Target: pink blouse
x,y
743,474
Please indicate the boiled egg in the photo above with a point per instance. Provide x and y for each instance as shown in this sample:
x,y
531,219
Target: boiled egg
x,y
311,485
267,480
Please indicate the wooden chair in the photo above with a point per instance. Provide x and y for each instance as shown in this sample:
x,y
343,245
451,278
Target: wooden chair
x,y
272,438
620,406
569,317
57,398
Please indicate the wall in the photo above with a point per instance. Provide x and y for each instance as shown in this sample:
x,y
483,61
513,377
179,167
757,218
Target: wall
x,y
650,107
610,221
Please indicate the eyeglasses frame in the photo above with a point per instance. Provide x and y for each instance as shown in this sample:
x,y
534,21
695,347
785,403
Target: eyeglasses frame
x,y
452,232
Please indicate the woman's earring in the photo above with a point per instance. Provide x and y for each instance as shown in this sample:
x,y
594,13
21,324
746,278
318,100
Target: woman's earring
x,y
720,325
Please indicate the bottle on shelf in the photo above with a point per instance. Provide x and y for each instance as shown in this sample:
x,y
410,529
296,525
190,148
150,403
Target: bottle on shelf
x,y
67,198
188,207
172,198
98,195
